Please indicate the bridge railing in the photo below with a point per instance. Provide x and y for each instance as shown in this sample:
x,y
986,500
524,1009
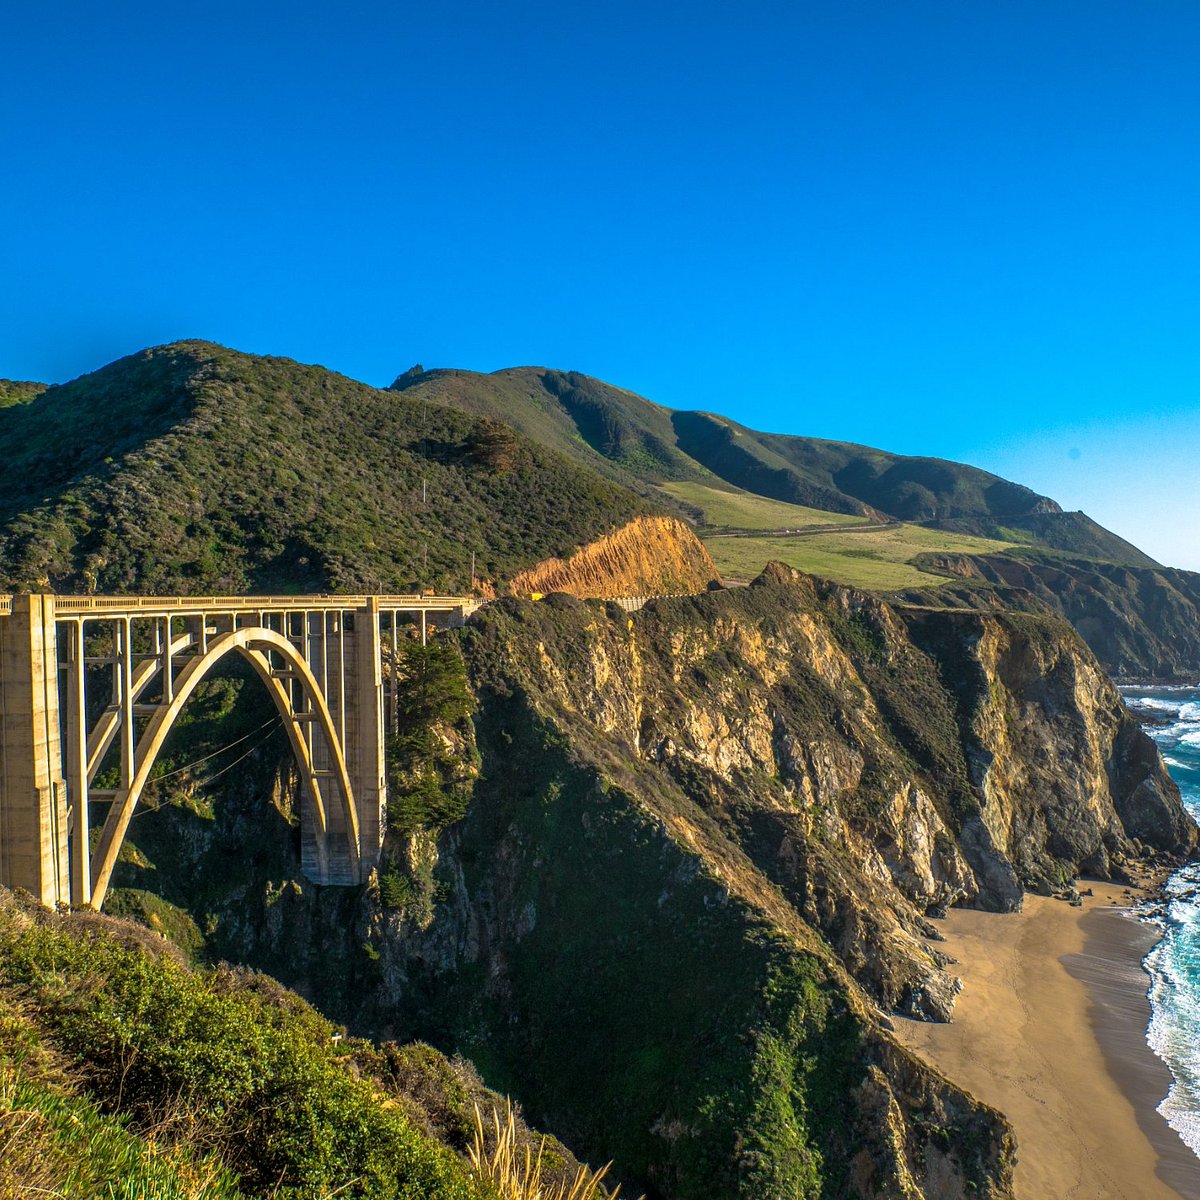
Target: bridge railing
x,y
69,606
74,606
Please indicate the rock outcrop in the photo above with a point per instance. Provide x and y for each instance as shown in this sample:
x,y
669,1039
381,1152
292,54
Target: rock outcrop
x,y
650,556
1142,623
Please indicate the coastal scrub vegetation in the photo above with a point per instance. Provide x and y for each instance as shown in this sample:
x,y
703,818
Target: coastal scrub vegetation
x,y
18,391
194,468
127,1075
241,1083
428,785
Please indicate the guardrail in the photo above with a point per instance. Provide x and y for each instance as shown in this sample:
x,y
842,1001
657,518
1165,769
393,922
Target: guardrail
x,y
632,604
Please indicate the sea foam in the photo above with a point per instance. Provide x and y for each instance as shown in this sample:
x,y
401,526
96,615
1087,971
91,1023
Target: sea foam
x,y
1174,963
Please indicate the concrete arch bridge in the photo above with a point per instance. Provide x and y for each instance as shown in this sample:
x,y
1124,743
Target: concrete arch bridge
x,y
65,712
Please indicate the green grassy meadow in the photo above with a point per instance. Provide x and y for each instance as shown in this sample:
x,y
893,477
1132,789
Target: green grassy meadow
x,y
873,559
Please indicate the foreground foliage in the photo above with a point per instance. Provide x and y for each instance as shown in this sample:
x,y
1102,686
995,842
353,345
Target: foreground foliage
x,y
235,1078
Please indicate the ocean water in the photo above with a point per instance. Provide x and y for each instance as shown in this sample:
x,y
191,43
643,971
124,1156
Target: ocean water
x,y
1174,963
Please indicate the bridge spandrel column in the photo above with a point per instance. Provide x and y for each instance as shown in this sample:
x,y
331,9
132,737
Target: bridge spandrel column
x,y
365,732
33,793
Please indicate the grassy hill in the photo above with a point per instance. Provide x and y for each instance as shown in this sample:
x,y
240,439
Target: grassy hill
x,y
642,445
197,468
743,532
616,432
192,467
881,558
725,507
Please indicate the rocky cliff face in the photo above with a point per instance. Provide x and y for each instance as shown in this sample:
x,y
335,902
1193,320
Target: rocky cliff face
x,y
1141,622
874,765
705,855
650,556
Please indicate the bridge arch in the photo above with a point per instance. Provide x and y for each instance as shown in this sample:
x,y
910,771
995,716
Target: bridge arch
x,y
320,657
258,645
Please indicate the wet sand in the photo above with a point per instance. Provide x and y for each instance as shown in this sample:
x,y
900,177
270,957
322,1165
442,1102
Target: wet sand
x,y
1050,1028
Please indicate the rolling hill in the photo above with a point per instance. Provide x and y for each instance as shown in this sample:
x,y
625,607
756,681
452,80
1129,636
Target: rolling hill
x,y
939,532
644,446
192,467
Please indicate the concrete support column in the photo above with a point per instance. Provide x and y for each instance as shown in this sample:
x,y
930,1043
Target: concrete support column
x,y
33,793
167,661
365,735
75,757
128,731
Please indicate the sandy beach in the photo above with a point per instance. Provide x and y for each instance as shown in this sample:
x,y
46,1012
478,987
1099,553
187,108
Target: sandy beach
x,y
1050,1029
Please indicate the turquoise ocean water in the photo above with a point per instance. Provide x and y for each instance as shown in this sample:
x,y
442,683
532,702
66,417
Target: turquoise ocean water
x,y
1174,963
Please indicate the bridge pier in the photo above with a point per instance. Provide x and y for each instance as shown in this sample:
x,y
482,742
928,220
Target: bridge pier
x,y
364,731
33,792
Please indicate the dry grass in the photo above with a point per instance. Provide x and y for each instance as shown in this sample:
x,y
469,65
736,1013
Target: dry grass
x,y
517,1172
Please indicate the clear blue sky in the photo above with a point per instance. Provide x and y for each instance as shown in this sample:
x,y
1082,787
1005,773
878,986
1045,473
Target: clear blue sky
x,y
953,228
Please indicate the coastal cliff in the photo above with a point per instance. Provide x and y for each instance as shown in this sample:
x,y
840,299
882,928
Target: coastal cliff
x,y
703,854
1142,623
874,765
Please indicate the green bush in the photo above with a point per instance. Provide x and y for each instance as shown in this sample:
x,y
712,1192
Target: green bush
x,y
428,756
228,1059
395,888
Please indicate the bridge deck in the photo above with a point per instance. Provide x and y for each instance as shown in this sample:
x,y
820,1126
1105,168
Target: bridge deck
x,y
76,606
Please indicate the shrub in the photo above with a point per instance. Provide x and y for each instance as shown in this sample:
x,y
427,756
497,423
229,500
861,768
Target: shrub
x,y
395,888
428,755
213,1059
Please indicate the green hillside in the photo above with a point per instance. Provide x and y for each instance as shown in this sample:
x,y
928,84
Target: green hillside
x,y
715,507
1071,534
126,1074
639,443
614,431
197,468
192,467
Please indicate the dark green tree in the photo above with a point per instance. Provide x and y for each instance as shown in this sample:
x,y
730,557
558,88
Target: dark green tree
x,y
425,767
493,445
